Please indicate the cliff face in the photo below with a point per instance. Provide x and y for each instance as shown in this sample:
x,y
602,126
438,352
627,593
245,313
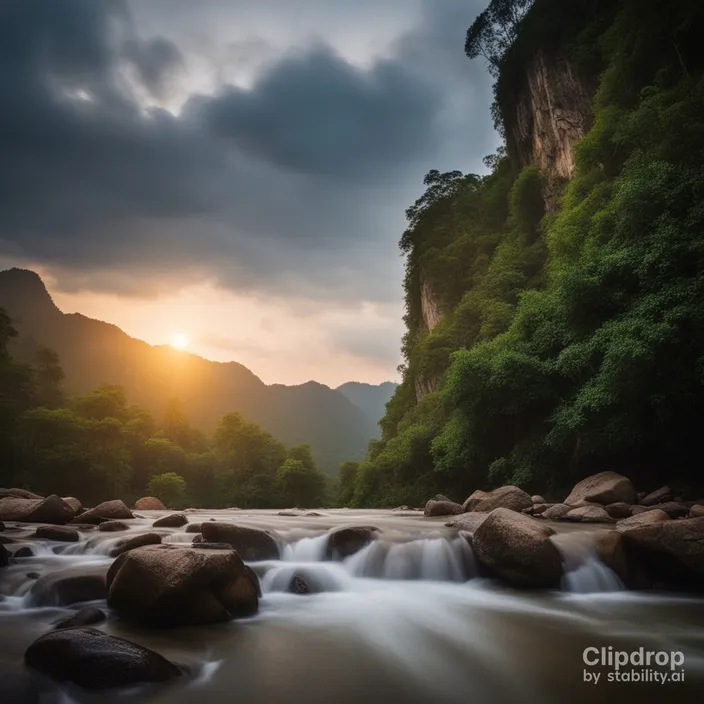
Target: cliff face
x,y
428,305
551,112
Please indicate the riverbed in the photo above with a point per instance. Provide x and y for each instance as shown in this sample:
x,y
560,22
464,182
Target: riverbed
x,y
408,618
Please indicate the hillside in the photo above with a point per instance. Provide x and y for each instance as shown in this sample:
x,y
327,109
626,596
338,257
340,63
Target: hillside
x,y
371,398
93,352
555,305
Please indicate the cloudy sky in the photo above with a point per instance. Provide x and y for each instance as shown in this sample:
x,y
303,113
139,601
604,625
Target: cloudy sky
x,y
234,170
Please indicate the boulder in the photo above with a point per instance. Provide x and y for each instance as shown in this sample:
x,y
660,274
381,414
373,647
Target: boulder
x,y
671,552
139,541
442,508
87,616
50,510
537,499
556,512
696,511
659,496
167,585
620,509
636,509
603,488
510,497
60,533
642,519
193,528
95,660
298,585
539,509
518,550
74,503
149,503
254,579
344,542
468,522
588,514
474,499
174,520
4,556
59,589
107,511
673,509
23,552
112,527
251,544
19,494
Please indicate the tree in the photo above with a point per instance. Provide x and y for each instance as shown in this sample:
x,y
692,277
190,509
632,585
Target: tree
x,y
494,30
346,482
48,377
170,487
300,482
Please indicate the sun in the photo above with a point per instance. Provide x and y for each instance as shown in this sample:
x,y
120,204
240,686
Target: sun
x,y
179,341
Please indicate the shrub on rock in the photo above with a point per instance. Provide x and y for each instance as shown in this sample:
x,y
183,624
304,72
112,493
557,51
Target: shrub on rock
x,y
96,660
518,550
165,585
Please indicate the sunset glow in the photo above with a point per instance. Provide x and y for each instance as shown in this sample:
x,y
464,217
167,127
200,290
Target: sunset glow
x,y
179,341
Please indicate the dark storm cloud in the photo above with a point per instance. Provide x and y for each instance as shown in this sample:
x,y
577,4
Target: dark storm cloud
x,y
294,185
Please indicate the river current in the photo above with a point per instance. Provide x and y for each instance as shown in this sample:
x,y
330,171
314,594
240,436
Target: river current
x,y
406,619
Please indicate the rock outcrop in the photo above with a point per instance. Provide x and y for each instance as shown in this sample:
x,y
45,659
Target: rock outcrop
x,y
509,497
603,488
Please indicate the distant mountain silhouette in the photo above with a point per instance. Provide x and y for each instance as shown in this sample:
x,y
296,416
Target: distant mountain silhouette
x,y
94,352
371,398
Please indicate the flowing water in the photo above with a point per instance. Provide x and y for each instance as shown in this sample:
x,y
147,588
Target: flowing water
x,y
408,618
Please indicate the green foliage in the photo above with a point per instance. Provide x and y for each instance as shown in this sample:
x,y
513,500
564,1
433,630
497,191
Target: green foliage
x,y
300,483
170,488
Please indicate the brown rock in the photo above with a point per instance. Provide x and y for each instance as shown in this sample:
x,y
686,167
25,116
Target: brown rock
x,y
50,510
112,527
166,585
537,499
603,488
19,494
474,499
74,503
642,519
468,522
59,589
139,541
193,527
174,520
107,511
86,616
539,509
696,511
510,497
518,550
659,496
635,510
556,512
588,514
60,533
442,508
344,542
250,543
672,508
298,585
149,503
619,510
95,660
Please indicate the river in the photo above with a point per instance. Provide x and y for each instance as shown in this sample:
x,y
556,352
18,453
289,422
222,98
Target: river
x,y
406,619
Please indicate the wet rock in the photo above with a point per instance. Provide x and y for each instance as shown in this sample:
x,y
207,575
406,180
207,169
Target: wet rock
x,y
174,520
673,509
139,541
149,503
344,542
518,550
167,585
251,544
539,509
290,512
659,496
588,514
74,503
60,533
537,499
193,528
636,509
402,508
2,526
442,508
59,589
84,617
603,488
509,497
642,519
23,552
313,514
107,511
96,660
50,510
298,585
254,579
555,512
474,499
200,545
4,556
696,511
468,522
19,494
620,509
112,527
33,575
198,538
670,552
